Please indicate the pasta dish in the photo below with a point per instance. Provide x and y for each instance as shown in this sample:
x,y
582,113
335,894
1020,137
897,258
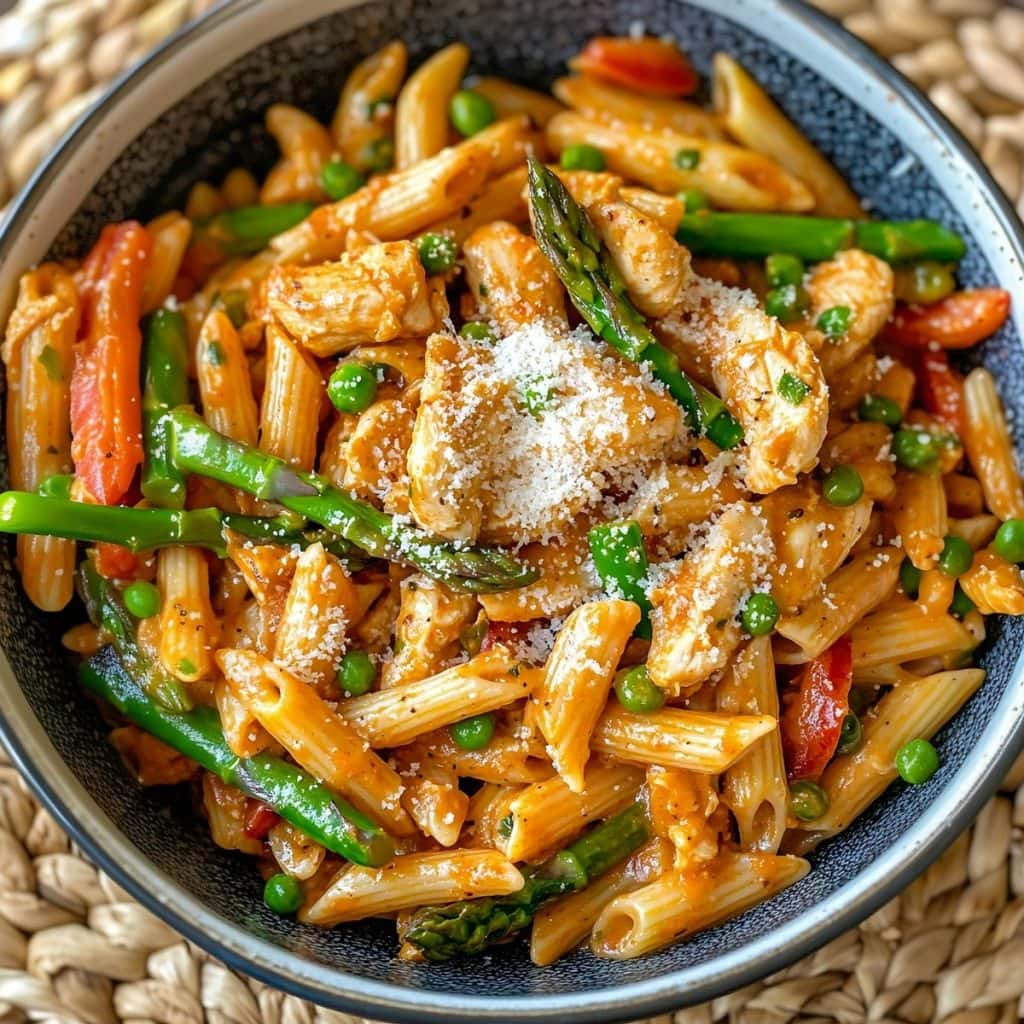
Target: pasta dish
x,y
519,514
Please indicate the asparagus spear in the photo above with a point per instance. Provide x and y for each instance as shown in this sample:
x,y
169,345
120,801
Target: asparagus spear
x,y
166,386
197,734
621,561
144,529
757,235
106,609
196,448
570,241
249,229
470,926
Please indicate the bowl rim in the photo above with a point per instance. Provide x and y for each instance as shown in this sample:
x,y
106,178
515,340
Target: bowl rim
x,y
945,818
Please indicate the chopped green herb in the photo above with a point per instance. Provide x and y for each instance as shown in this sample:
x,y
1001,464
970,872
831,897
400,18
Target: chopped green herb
x,y
51,362
687,159
835,321
792,388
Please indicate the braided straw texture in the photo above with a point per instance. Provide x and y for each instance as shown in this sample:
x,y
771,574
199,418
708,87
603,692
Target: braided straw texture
x,y
76,949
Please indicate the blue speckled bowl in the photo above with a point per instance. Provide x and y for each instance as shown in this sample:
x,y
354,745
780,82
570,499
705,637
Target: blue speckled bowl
x,y
193,110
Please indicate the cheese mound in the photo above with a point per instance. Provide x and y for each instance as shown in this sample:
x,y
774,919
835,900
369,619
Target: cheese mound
x,y
514,440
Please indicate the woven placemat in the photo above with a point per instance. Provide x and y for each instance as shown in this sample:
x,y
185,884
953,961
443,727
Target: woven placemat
x,y
76,949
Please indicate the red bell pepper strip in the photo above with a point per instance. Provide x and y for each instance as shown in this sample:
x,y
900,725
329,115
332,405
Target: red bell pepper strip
x,y
509,634
106,400
260,818
114,562
941,389
647,65
960,320
813,713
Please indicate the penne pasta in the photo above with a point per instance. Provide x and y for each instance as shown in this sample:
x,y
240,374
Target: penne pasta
x,y
987,441
169,234
510,99
421,113
188,627
225,384
290,410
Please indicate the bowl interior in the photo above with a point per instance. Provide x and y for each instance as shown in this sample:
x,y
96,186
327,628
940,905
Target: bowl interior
x,y
218,126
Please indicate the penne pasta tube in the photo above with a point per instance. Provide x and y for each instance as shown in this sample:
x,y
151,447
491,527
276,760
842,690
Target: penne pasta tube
x,y
510,99
702,741
306,146
506,760
38,355
503,198
319,739
396,716
902,631
392,206
563,924
413,880
604,101
917,511
242,730
188,627
434,801
225,386
754,119
169,236
916,709
366,109
321,602
290,411
989,447
868,579
755,788
239,188
577,679
731,177
421,113
546,815
225,809
677,905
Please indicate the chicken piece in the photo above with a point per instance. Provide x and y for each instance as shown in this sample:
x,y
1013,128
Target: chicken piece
x,y
864,284
696,600
811,539
430,621
767,376
653,264
376,452
511,280
376,295
513,441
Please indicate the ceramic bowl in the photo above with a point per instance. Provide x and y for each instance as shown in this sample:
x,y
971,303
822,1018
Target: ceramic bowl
x,y
193,110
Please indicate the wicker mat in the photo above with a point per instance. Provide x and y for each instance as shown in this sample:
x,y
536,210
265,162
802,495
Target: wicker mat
x,y
76,949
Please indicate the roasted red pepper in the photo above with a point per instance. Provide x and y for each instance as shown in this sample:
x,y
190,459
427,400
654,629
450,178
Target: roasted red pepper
x,y
509,634
960,320
259,819
106,399
941,389
813,711
648,65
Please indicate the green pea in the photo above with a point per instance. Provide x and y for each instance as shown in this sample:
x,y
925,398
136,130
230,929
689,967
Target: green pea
x,y
842,486
956,556
879,409
924,283
470,112
759,615
340,179
849,735
792,388
142,599
352,387
910,578
1009,542
437,253
356,673
783,268
807,800
687,159
693,200
835,321
282,894
916,449
917,761
473,733
961,603
477,330
582,157
786,303
636,691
